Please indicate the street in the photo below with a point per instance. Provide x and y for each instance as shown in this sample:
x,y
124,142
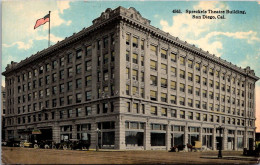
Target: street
x,y
16,155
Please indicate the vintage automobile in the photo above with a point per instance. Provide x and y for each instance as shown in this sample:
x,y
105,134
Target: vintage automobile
x,y
46,144
73,144
25,143
13,143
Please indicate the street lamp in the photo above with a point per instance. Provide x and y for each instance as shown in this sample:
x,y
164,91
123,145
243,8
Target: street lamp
x,y
220,142
98,131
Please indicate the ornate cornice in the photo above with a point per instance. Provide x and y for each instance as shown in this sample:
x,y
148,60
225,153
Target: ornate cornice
x,y
133,18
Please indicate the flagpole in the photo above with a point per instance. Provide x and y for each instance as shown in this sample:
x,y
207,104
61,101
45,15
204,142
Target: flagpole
x,y
49,26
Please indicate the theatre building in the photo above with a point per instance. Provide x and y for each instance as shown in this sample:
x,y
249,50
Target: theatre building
x,y
139,86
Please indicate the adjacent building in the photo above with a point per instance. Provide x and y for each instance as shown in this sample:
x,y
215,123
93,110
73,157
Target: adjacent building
x,y
122,83
3,111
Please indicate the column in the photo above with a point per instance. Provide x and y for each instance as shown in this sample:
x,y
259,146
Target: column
x,y
225,139
200,135
186,136
56,133
93,135
168,137
74,131
120,133
147,136
214,138
245,137
235,140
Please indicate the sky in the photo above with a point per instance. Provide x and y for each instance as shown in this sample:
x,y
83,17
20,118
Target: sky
x,y
235,38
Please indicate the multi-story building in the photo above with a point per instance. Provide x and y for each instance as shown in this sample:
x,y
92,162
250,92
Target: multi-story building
x,y
3,111
139,86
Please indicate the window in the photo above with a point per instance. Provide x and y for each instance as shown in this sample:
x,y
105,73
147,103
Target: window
x,y
197,79
217,73
163,83
127,89
182,114
142,60
54,90
190,102
153,80
105,75
173,99
182,87
142,44
127,39
211,72
182,101
47,92
88,81
190,89
142,92
142,76
78,54
62,59
88,66
211,83
190,76
163,97
163,54
61,101
54,64
54,77
173,71
70,56
190,63
135,74
153,49
182,74
205,117
217,84
88,95
134,90
62,113
69,85
89,51
182,60
204,69
135,108
41,70
88,110
69,99
54,103
173,57
105,59
78,69
153,95
204,93
127,73
62,74
70,72
173,85
204,105
197,66
78,112
164,68
163,111
173,113
153,110
153,65
128,107
211,106
197,91
105,42
99,44
135,42
127,56
78,97
197,104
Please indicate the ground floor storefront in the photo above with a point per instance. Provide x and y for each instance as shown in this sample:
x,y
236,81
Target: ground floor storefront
x,y
131,132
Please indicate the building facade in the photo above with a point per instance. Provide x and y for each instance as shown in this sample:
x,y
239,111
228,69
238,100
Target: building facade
x,y
141,87
3,109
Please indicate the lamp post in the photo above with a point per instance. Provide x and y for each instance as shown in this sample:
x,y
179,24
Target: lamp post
x,y
98,131
220,142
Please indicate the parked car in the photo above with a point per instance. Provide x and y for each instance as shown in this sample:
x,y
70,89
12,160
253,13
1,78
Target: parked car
x,y
25,143
13,143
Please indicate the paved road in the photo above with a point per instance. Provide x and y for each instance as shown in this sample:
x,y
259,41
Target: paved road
x,y
48,156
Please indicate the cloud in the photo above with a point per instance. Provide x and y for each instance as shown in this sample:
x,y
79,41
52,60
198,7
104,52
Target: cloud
x,y
19,18
198,32
21,45
63,5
